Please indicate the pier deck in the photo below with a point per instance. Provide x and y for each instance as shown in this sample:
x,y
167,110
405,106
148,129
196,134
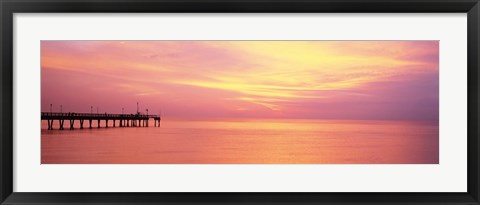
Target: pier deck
x,y
124,120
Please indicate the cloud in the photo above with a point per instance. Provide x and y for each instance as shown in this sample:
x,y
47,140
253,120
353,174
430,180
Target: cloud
x,y
261,79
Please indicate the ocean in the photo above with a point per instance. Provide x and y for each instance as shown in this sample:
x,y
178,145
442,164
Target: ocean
x,y
272,141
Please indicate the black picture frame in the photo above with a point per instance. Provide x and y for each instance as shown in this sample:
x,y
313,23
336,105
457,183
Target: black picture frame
x,y
10,7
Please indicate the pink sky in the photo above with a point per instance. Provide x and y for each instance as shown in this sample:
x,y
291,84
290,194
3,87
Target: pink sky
x,y
374,80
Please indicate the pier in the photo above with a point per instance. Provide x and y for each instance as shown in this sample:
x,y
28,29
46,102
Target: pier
x,y
124,120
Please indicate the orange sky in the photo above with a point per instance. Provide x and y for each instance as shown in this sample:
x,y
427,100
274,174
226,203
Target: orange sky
x,y
390,80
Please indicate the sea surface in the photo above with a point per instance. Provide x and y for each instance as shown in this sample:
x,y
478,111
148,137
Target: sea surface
x,y
245,142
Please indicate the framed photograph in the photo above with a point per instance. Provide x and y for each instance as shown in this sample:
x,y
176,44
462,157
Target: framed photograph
x,y
229,102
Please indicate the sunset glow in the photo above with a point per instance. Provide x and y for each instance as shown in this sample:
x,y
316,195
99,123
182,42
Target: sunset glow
x,y
368,80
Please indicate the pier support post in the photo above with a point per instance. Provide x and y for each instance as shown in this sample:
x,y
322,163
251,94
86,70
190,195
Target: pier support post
x,y
50,124
72,122
113,122
106,123
90,122
61,123
157,122
81,123
98,124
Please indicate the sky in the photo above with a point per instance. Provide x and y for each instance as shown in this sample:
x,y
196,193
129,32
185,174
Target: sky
x,y
347,80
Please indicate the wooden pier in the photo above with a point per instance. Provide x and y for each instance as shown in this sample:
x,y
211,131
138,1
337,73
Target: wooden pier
x,y
124,120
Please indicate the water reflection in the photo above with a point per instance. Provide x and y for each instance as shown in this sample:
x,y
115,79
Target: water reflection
x,y
247,142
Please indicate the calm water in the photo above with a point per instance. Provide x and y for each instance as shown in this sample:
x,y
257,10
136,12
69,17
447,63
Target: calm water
x,y
246,141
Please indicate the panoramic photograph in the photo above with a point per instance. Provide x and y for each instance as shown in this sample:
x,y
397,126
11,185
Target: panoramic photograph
x,y
239,102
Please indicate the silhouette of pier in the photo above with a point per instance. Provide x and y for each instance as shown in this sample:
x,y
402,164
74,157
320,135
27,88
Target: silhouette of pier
x,y
124,120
